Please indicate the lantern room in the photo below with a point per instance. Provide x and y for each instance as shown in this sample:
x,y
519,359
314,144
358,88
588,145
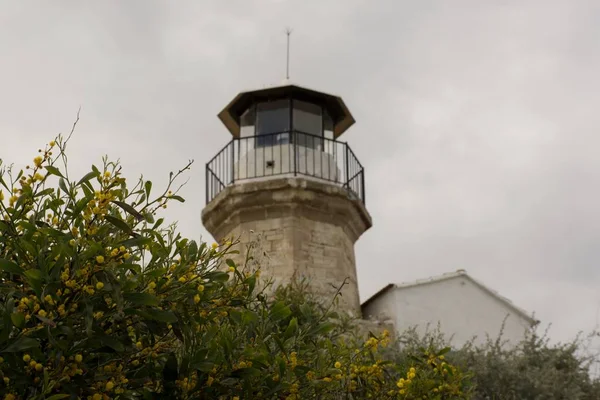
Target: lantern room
x,y
285,131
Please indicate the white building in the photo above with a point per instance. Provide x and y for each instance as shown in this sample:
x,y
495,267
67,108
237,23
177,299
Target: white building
x,y
463,307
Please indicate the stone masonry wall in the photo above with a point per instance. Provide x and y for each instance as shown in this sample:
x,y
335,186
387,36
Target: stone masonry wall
x,y
304,229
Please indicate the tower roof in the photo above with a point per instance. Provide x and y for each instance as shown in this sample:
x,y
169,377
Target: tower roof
x,y
335,106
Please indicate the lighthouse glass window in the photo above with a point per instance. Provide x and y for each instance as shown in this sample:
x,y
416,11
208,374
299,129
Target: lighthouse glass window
x,y
272,123
308,124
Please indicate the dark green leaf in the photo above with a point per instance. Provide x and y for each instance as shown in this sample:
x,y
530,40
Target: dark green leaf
x,y
10,266
53,171
126,207
145,299
119,223
178,198
112,342
162,316
148,188
18,319
58,396
22,343
89,176
218,276
63,185
138,241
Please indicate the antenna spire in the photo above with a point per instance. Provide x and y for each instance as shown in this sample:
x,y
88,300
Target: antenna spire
x,y
288,32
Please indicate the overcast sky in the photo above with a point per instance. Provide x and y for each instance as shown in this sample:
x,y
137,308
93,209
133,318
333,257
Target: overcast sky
x,y
477,121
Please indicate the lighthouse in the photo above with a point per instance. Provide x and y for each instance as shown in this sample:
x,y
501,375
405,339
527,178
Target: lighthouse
x,y
286,177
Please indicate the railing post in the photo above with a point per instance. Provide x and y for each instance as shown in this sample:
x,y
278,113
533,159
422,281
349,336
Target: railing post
x,y
206,179
347,166
295,147
362,186
233,160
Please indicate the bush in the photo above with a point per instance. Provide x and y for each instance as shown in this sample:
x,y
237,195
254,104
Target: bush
x,y
533,369
100,299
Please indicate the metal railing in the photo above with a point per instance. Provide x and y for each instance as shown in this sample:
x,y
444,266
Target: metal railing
x,y
288,153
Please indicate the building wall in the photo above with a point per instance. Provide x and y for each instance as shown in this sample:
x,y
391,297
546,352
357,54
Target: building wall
x,y
462,308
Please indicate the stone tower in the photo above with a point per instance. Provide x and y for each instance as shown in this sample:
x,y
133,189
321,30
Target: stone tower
x,y
286,177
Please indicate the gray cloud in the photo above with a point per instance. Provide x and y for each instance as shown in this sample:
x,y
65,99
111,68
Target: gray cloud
x,y
476,120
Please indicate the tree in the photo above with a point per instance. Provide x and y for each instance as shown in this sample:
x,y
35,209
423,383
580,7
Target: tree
x,y
100,299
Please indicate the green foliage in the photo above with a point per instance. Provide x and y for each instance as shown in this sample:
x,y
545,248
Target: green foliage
x,y
531,369
100,300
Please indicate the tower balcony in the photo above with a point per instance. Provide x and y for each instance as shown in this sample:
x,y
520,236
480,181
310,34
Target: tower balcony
x,y
288,153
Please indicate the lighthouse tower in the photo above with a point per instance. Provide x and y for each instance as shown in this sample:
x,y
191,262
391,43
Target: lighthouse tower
x,y
286,177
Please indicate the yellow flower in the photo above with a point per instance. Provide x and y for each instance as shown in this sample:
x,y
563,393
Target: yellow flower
x,y
99,285
97,396
38,161
215,245
6,380
151,285
109,386
39,367
9,396
1,195
231,269
201,288
42,313
52,143
209,381
72,242
139,345
126,256
78,358
338,364
114,252
99,259
26,358
327,379
182,279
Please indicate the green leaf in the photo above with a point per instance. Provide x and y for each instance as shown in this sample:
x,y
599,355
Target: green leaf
x,y
18,319
322,329
113,343
230,263
178,198
63,185
58,396
148,188
217,276
54,171
22,343
34,278
126,207
89,176
444,351
144,299
162,316
44,192
10,266
291,329
138,241
119,223
280,311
